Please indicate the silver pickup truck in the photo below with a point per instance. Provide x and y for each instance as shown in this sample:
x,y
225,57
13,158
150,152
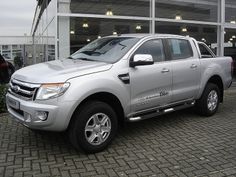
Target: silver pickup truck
x,y
116,79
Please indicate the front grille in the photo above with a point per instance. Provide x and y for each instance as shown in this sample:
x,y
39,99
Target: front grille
x,y
26,91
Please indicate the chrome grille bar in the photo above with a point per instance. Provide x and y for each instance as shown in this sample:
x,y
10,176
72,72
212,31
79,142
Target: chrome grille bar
x,y
23,90
25,84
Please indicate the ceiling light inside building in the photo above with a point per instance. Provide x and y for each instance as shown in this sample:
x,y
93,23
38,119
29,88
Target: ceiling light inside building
x,y
203,39
99,37
85,25
88,40
114,33
178,17
109,12
233,22
233,37
72,32
184,29
138,27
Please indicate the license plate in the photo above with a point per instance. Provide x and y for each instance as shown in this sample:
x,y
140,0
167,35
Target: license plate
x,y
13,103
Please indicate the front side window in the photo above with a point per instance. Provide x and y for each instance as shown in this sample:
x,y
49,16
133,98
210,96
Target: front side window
x,y
154,48
109,49
180,49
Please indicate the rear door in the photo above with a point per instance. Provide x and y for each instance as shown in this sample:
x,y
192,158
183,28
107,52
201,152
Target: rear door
x,y
185,68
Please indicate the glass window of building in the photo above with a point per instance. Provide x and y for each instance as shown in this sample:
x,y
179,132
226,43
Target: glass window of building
x,y
204,33
6,51
108,7
230,11
79,22
199,10
230,46
85,30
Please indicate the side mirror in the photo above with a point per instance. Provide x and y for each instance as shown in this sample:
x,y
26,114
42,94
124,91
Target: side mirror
x,y
141,59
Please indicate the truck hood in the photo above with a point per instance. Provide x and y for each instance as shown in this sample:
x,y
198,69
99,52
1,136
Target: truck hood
x,y
59,70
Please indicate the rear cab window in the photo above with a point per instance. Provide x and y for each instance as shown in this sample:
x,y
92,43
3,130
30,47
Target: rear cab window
x,y
179,49
205,51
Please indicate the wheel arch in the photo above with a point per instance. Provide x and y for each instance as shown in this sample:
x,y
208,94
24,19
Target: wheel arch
x,y
216,79
106,97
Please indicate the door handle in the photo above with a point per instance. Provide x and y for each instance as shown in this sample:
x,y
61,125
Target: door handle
x,y
165,70
193,66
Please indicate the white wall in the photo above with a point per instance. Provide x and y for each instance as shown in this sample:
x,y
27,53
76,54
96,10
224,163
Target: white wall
x,y
9,40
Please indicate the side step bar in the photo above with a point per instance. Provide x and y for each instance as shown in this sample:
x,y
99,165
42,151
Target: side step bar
x,y
159,112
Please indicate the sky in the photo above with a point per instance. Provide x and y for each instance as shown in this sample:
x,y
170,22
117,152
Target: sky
x,y
16,17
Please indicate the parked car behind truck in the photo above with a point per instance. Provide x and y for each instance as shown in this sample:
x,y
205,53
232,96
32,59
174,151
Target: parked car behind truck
x,y
116,79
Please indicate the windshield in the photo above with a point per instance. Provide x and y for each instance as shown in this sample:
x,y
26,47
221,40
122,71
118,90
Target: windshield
x,y
109,49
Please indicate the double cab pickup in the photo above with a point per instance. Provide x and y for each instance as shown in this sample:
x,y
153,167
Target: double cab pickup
x,y
116,79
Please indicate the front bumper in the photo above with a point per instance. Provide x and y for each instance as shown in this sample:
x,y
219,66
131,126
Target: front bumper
x,y
25,113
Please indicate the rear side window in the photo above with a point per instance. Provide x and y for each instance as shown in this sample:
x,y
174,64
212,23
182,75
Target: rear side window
x,y
154,48
180,49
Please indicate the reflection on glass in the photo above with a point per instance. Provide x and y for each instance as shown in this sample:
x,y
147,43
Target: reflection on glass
x,y
108,49
230,11
187,10
101,27
204,33
110,7
230,46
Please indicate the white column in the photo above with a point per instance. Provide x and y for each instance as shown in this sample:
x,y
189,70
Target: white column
x,y
221,28
152,16
63,30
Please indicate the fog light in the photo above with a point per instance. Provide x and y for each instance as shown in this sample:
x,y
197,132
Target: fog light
x,y
41,115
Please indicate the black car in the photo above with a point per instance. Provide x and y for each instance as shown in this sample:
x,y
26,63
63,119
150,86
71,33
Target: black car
x,y
231,51
6,70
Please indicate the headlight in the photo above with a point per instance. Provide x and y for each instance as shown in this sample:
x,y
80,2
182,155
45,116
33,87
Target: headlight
x,y
47,91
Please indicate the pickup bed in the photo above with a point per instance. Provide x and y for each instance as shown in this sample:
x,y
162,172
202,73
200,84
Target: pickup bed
x,y
116,79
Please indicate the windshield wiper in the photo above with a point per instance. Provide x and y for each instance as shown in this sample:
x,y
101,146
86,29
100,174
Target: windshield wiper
x,y
90,52
80,58
85,59
123,46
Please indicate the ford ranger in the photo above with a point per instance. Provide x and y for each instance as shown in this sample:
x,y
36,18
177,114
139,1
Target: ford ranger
x,y
116,79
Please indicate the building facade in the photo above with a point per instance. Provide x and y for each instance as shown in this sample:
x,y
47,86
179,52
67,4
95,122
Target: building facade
x,y
22,46
71,24
13,46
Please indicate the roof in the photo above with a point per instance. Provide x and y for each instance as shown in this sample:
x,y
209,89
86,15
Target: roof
x,y
142,35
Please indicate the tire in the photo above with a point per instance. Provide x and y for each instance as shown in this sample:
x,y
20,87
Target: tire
x,y
93,127
208,104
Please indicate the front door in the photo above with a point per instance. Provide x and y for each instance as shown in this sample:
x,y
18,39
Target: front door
x,y
151,84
